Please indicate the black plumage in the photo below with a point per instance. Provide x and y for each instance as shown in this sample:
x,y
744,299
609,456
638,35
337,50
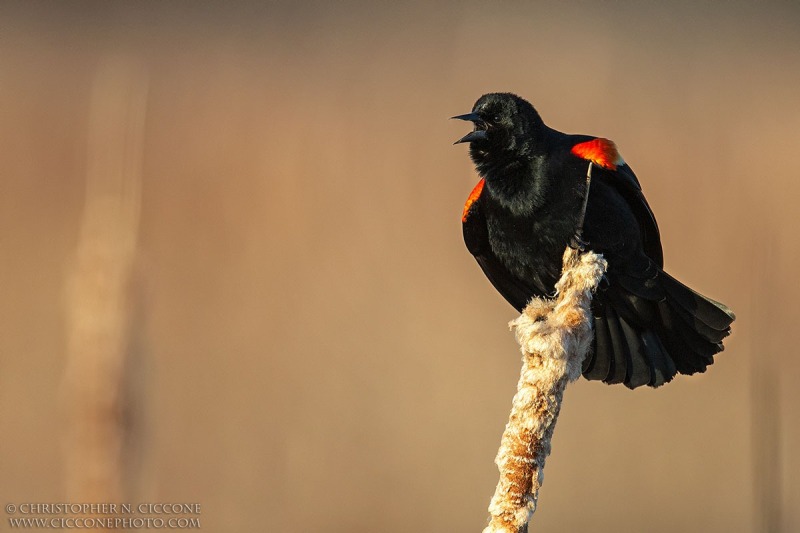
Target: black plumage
x,y
528,207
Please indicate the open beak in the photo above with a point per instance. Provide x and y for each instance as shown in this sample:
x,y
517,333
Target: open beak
x,y
478,134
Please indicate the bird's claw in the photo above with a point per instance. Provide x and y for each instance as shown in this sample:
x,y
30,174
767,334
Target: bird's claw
x,y
576,243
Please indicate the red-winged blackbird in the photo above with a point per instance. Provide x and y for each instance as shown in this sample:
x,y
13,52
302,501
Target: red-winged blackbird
x,y
528,208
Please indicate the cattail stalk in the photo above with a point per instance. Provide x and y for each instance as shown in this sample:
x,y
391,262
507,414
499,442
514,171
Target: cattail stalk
x,y
554,336
101,288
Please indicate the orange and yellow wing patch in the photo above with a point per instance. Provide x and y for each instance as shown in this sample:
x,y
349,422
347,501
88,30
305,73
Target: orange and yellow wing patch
x,y
473,196
601,152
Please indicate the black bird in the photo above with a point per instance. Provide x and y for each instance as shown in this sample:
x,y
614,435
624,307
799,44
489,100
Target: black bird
x,y
529,206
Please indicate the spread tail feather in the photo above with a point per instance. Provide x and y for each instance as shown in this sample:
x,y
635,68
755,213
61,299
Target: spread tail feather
x,y
643,341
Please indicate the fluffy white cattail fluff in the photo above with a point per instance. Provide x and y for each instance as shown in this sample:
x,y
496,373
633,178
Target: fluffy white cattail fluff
x,y
554,336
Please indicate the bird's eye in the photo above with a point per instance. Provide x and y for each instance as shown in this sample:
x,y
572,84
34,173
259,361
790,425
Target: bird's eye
x,y
496,118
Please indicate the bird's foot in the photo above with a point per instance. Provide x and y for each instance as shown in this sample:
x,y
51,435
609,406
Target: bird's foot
x,y
576,243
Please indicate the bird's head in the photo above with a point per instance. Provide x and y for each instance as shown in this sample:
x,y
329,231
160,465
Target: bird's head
x,y
505,125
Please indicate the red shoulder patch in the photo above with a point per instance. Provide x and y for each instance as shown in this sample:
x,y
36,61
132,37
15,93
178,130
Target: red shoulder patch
x,y
473,196
602,152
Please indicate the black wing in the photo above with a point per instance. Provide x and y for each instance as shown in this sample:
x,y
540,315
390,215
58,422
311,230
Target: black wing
x,y
648,326
627,185
476,237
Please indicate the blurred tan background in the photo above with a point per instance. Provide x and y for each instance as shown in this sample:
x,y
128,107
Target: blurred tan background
x,y
309,345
